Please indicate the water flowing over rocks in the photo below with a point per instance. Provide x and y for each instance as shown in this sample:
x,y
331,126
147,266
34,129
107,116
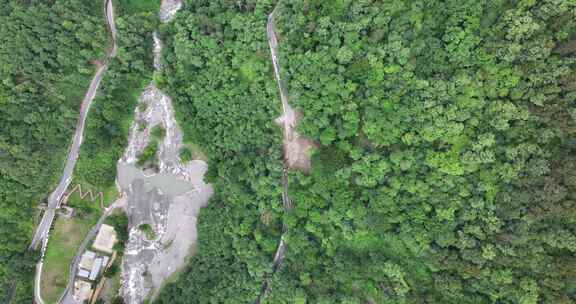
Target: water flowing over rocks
x,y
169,8
168,200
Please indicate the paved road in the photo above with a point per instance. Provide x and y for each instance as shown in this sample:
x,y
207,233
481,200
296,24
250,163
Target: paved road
x,y
37,284
56,196
41,234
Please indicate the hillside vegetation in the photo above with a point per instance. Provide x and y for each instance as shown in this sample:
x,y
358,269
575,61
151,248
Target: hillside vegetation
x,y
218,73
112,112
105,138
446,163
446,167
446,173
48,52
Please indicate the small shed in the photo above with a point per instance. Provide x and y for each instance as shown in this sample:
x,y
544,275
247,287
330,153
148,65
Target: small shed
x,y
83,273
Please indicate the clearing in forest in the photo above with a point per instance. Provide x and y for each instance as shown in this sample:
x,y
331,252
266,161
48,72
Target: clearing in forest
x,y
67,235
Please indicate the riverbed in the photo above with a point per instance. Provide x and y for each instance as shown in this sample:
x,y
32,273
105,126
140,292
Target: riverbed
x,y
166,199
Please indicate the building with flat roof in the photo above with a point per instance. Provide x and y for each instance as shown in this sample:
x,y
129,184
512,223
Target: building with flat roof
x,y
83,273
95,271
105,239
91,265
87,260
105,260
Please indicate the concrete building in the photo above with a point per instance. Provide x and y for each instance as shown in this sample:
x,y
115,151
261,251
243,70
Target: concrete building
x,y
105,239
83,273
95,271
91,265
87,260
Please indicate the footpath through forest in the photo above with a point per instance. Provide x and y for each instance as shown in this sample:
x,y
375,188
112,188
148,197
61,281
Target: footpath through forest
x,y
54,200
296,148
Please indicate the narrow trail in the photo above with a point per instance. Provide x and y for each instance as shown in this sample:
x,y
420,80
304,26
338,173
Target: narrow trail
x,y
91,196
288,120
55,198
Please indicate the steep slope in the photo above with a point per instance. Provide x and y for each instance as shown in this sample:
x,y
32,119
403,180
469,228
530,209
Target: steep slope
x,y
219,75
445,172
47,56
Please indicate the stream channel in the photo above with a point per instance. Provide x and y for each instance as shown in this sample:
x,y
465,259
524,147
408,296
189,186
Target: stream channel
x,y
167,199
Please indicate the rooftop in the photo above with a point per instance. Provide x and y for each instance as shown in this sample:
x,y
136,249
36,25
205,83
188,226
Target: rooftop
x,y
87,260
83,273
96,269
105,239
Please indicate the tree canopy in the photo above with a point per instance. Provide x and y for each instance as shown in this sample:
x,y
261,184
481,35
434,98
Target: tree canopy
x,y
47,55
218,73
445,165
447,134
444,173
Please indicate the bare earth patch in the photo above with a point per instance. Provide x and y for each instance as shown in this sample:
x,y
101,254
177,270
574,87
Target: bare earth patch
x,y
297,149
297,153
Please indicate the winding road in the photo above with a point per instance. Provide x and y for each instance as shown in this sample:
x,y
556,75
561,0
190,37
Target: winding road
x,y
55,198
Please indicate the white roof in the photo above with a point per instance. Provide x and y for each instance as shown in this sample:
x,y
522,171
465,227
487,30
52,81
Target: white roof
x,y
87,259
83,273
105,261
96,269
105,239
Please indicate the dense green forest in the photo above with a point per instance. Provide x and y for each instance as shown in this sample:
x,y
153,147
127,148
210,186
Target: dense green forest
x,y
446,173
48,52
47,55
446,167
218,73
108,124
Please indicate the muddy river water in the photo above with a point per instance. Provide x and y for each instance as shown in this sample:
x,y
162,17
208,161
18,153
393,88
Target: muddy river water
x,y
167,200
